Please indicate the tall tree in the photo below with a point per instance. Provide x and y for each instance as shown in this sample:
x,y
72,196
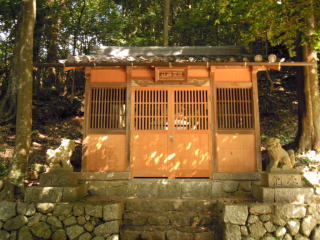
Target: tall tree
x,y
290,23
22,75
166,16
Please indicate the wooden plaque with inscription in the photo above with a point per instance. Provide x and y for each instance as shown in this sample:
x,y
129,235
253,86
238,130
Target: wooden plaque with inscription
x,y
171,74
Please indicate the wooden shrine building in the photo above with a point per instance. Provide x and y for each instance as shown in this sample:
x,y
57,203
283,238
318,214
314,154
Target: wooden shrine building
x,y
175,112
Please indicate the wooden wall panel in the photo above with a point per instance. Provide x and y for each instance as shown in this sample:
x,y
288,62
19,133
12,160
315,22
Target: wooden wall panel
x,y
142,73
105,153
149,154
198,73
112,75
232,75
236,153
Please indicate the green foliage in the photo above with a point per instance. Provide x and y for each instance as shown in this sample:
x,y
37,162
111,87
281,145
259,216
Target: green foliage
x,y
280,21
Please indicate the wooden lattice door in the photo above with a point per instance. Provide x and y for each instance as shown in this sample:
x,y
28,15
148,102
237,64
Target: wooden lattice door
x,y
170,132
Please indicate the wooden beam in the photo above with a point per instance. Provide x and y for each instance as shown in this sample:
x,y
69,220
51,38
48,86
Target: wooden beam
x,y
245,64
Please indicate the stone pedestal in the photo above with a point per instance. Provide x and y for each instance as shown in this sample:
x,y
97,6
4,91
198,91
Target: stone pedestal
x,y
57,186
282,187
59,179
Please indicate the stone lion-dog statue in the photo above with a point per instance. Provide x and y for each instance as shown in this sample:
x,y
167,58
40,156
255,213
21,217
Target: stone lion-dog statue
x,y
59,158
279,158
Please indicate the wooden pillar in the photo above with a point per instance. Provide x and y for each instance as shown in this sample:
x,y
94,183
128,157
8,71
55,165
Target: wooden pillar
x,y
129,115
213,127
254,78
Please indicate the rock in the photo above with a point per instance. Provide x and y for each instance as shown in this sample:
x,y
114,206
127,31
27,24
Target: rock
x,y
54,222
257,230
26,209
74,231
290,211
81,220
70,221
203,236
43,218
41,230
281,231
34,219
244,231
293,226
260,209
13,235
62,210
78,210
59,235
85,236
174,235
278,220
45,207
315,233
158,220
300,237
230,186
112,212
4,235
287,237
268,237
236,214
231,232
25,234
94,210
107,228
307,225
265,217
245,186
253,219
15,223
98,238
153,235
89,227
7,210
113,237
270,227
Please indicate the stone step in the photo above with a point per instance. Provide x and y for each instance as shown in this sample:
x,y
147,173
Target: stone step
x,y
173,218
167,233
170,188
183,205
55,194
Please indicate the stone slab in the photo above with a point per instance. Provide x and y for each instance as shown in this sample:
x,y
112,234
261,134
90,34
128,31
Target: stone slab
x,y
294,195
283,195
58,179
55,194
281,179
263,194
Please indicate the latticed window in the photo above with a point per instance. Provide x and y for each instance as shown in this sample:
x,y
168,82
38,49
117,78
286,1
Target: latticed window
x,y
107,108
234,108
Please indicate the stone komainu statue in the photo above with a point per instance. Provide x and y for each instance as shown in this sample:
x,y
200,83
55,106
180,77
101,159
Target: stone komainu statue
x,y
59,158
279,158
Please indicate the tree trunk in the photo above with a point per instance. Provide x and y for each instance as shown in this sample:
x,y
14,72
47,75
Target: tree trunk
x,y
53,33
23,75
166,22
310,132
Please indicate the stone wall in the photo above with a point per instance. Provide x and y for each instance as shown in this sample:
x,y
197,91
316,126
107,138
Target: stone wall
x,y
271,221
60,221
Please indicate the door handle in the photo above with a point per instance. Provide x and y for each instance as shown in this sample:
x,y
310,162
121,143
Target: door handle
x,y
171,138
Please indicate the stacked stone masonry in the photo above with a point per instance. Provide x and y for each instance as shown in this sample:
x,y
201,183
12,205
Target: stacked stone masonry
x,y
271,221
60,221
